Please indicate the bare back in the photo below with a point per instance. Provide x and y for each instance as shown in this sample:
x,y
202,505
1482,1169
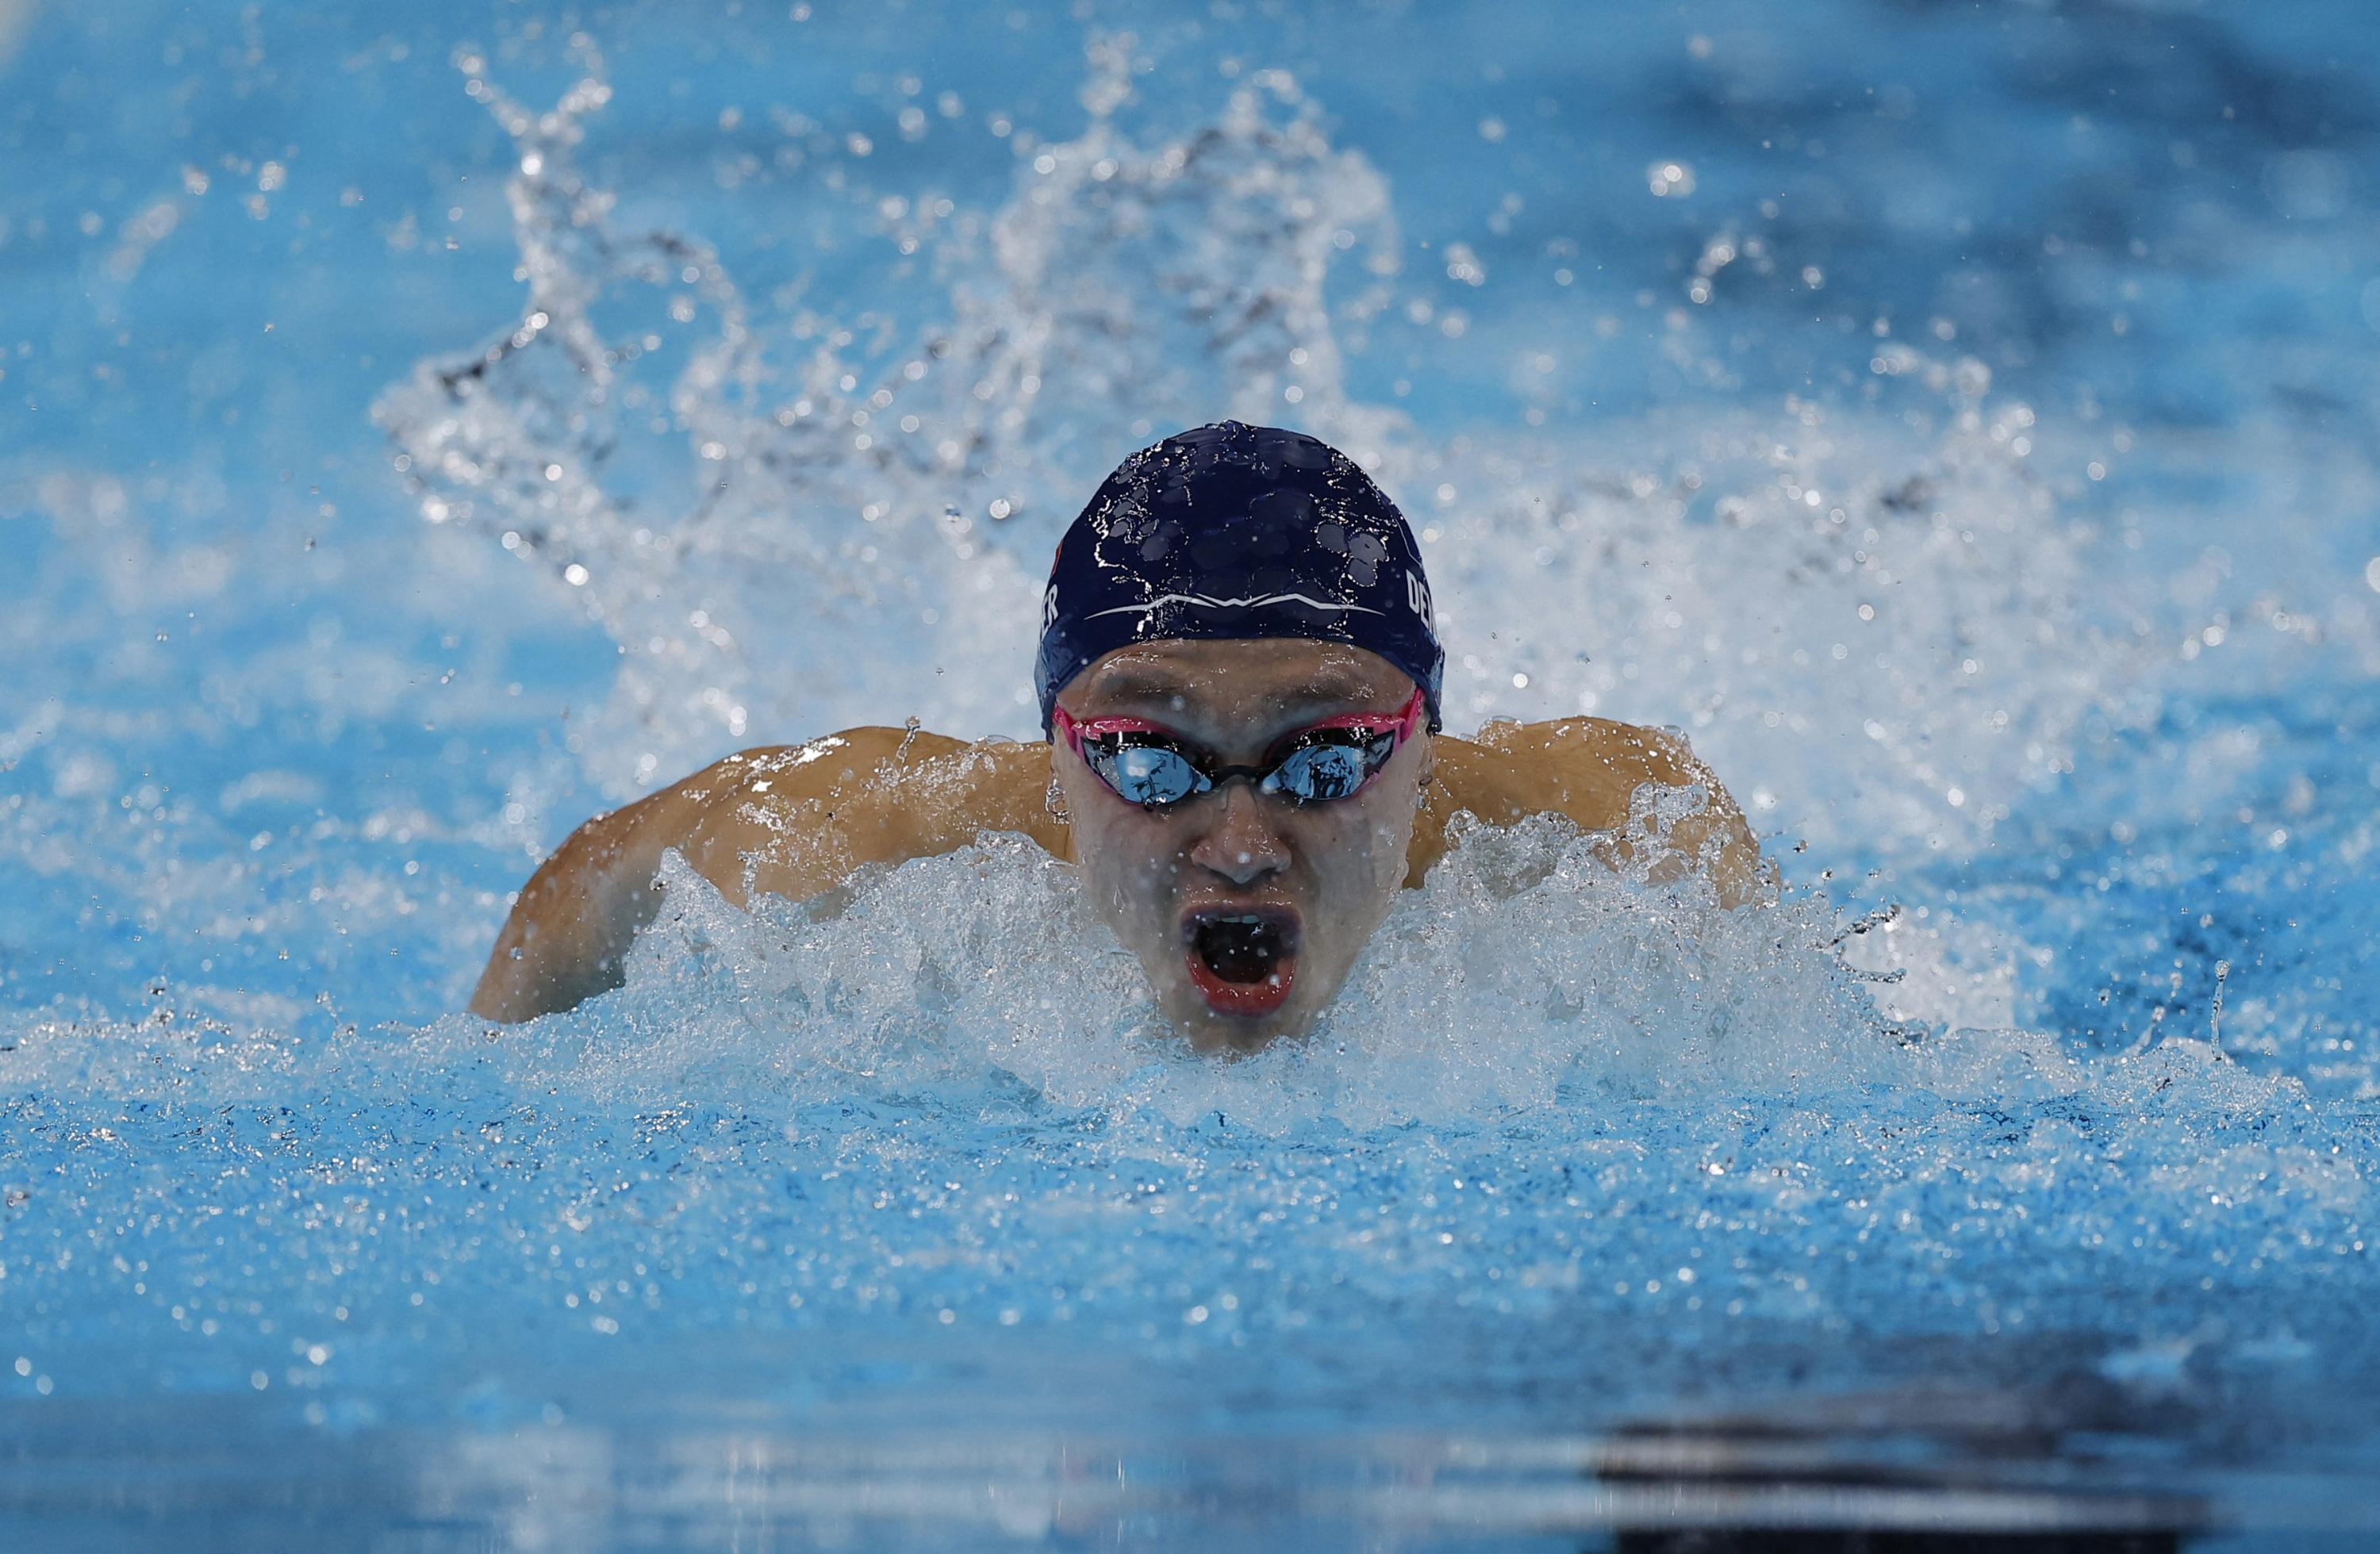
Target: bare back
x,y
798,820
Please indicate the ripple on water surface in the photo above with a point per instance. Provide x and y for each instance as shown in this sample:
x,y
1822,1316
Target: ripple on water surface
x,y
1609,1145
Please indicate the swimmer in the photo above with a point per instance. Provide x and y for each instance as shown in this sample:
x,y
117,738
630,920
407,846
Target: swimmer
x,y
1240,679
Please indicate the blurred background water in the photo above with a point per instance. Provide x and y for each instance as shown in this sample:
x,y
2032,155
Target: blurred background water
x,y
421,430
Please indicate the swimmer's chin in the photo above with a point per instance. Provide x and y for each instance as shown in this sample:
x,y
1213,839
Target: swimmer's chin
x,y
1227,1036
1209,1040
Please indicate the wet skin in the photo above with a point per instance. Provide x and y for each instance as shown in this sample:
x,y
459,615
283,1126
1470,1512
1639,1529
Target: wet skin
x,y
797,821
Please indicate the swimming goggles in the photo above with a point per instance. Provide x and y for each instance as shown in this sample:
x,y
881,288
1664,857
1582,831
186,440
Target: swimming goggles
x,y
1149,765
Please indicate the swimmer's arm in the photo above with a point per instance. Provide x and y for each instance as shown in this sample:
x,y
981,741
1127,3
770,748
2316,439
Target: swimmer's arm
x,y
580,912
1590,770
794,821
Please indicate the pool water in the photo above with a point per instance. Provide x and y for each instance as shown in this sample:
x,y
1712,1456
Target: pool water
x,y
419,433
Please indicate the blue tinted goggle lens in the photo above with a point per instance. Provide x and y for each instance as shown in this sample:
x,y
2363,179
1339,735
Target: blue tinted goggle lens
x,y
1328,768
1149,775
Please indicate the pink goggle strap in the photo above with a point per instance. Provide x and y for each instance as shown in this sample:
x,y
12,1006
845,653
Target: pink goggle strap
x,y
1403,723
1076,732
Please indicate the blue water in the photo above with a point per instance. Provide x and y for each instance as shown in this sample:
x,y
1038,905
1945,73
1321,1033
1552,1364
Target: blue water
x,y
419,432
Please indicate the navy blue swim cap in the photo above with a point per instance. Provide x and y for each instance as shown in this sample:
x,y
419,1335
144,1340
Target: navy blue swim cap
x,y
1232,532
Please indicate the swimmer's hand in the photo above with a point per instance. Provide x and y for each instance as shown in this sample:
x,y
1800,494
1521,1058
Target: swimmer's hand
x,y
794,821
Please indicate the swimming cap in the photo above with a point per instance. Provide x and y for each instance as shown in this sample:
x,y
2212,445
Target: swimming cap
x,y
1232,532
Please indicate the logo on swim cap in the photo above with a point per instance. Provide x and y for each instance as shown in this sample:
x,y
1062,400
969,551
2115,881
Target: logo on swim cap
x,y
1417,599
1232,532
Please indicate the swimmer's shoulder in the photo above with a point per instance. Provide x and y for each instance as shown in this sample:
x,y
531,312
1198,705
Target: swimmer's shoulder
x,y
1584,767
873,793
1588,770
869,758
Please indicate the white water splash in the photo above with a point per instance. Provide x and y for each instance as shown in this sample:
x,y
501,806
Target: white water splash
x,y
1877,630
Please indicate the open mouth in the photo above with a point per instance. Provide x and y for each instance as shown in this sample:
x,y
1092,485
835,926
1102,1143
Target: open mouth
x,y
1243,963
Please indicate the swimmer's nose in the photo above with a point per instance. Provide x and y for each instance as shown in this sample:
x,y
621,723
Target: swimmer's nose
x,y
1242,846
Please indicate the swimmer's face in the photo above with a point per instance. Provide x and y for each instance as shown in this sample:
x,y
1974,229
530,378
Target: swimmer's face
x,y
1246,910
